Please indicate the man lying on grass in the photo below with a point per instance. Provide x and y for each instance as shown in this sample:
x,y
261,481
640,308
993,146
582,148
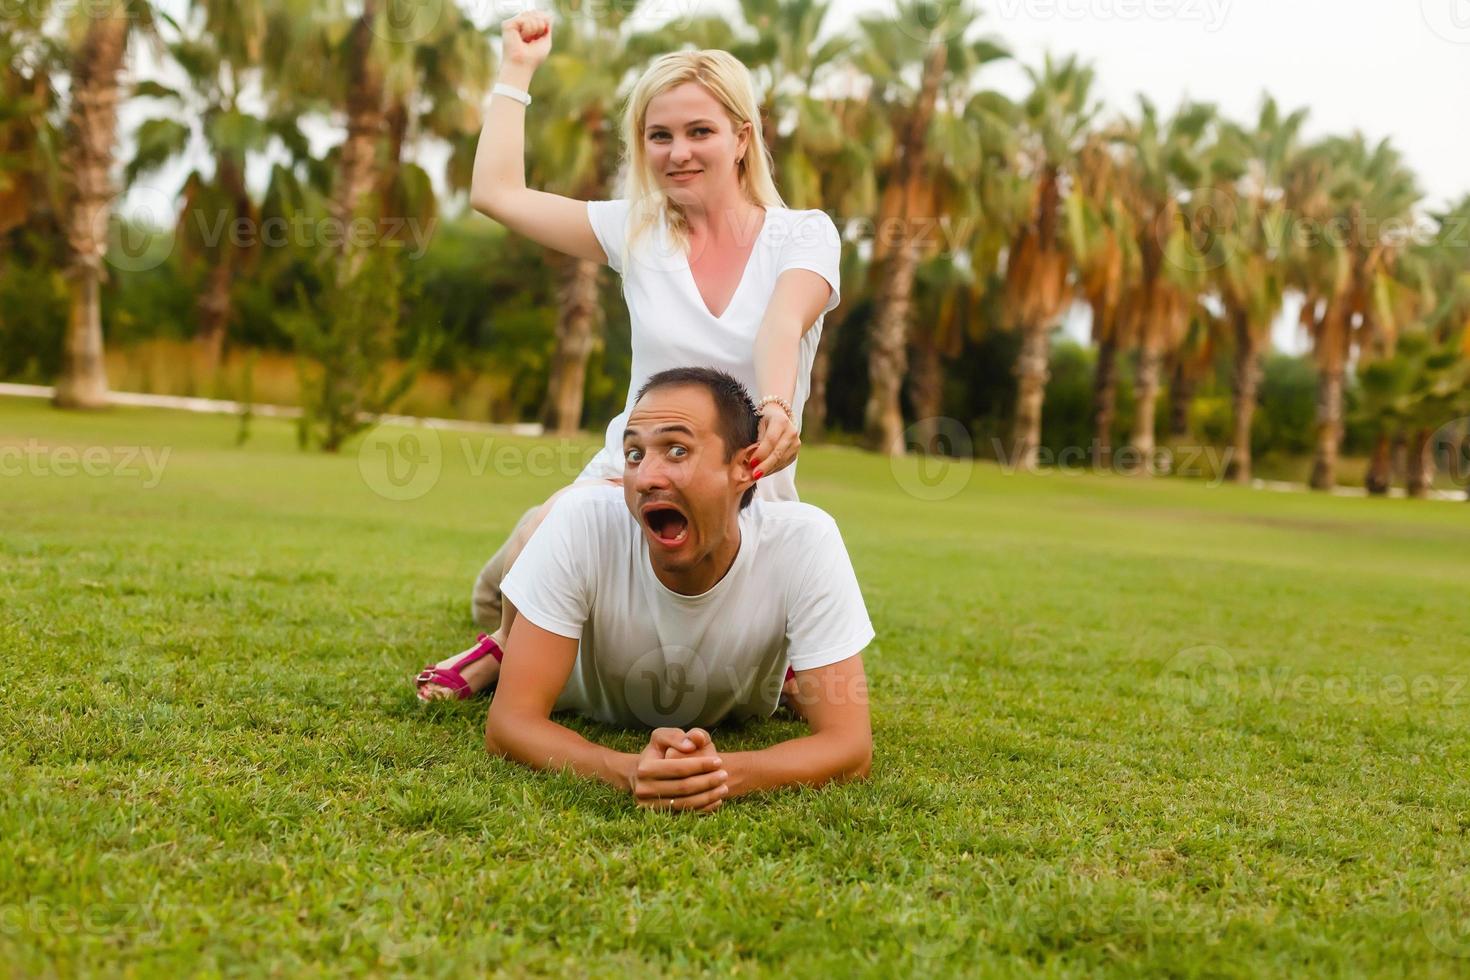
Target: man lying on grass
x,y
677,602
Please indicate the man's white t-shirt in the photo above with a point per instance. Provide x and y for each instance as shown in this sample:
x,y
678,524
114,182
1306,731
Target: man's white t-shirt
x,y
673,328
652,657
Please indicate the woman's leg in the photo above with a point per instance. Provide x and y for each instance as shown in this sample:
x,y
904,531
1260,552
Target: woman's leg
x,y
483,672
485,599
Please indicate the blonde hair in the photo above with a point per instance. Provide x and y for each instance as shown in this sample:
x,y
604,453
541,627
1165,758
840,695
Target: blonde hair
x,y
724,77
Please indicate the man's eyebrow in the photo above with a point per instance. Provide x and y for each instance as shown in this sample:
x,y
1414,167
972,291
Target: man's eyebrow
x,y
673,427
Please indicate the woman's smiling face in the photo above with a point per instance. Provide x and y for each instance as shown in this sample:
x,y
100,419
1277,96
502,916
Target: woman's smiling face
x,y
691,142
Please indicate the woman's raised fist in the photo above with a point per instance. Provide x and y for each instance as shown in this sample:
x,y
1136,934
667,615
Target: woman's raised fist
x,y
526,39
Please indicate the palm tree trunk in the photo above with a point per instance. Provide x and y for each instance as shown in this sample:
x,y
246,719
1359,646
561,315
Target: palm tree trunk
x,y
1380,467
358,167
1247,382
92,141
888,355
1147,386
1104,400
883,416
1329,427
1181,393
1032,374
578,323
214,315
1421,466
926,393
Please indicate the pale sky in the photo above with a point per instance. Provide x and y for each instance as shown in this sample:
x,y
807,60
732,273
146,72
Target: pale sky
x,y
1395,68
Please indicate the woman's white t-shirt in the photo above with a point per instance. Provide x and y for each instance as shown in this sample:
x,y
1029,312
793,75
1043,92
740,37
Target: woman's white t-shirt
x,y
672,327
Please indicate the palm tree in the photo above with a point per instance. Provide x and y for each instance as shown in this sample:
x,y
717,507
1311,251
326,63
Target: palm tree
x,y
1162,161
101,32
973,187
1102,241
29,188
1244,217
1355,194
941,57
436,91
574,152
1427,379
1055,118
218,59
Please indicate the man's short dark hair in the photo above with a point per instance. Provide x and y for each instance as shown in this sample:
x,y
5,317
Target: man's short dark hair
x,y
735,415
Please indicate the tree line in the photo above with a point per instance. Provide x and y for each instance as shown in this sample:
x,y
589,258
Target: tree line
x,y
966,214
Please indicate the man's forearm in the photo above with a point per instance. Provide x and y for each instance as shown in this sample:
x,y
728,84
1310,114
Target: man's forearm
x,y
811,761
543,744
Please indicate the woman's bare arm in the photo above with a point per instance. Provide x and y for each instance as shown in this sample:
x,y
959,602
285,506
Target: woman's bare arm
x,y
498,188
796,302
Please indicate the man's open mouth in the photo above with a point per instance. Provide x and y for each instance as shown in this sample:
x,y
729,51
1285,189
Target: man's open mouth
x,y
668,523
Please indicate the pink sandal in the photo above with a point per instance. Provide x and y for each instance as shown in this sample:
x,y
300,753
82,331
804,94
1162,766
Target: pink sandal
x,y
450,676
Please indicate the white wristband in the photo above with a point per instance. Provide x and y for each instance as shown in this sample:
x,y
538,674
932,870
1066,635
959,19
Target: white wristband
x,y
524,98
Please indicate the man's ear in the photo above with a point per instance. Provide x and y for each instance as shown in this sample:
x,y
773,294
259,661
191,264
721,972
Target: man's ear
x,y
744,471
745,457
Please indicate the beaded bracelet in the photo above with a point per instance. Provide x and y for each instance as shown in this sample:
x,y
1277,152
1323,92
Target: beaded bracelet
x,y
785,405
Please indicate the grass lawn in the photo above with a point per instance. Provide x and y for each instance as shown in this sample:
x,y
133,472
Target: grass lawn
x,y
1120,726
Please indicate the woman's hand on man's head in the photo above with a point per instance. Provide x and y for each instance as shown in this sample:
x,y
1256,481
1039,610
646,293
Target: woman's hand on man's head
x,y
779,441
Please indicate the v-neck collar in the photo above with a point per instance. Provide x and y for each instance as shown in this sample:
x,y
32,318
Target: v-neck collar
x,y
744,273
